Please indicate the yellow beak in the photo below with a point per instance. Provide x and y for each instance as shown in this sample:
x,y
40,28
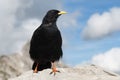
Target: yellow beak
x,y
62,12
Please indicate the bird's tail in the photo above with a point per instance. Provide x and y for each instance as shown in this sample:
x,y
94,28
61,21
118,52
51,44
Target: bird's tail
x,y
41,66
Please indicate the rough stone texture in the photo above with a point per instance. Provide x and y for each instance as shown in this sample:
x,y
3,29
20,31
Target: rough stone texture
x,y
17,63
88,72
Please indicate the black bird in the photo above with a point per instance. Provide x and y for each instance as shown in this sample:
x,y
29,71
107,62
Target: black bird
x,y
46,43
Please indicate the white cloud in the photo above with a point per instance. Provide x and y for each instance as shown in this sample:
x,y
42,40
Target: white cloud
x,y
15,28
69,20
28,26
19,18
109,60
24,33
100,25
7,21
68,24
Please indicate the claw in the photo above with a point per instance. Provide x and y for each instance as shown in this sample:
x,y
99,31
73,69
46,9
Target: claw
x,y
54,71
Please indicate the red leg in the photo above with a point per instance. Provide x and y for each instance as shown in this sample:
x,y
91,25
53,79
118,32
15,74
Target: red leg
x,y
54,70
36,71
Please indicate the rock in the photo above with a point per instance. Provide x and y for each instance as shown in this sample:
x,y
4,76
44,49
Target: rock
x,y
15,64
88,72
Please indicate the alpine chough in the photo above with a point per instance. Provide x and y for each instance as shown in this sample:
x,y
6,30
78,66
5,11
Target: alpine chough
x,y
46,43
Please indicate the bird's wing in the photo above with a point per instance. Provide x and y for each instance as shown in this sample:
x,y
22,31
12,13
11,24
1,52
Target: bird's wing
x,y
53,35
37,37
45,38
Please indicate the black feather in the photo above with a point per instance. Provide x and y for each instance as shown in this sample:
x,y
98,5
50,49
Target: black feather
x,y
41,66
46,42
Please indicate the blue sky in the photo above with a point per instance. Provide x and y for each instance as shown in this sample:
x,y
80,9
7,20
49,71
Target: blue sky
x,y
90,30
82,50
100,50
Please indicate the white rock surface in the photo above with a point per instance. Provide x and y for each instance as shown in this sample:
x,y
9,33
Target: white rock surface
x,y
15,64
88,72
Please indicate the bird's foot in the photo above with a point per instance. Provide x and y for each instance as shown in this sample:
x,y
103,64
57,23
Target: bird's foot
x,y
54,70
35,71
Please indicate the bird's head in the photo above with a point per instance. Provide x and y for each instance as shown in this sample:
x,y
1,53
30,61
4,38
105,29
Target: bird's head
x,y
52,16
